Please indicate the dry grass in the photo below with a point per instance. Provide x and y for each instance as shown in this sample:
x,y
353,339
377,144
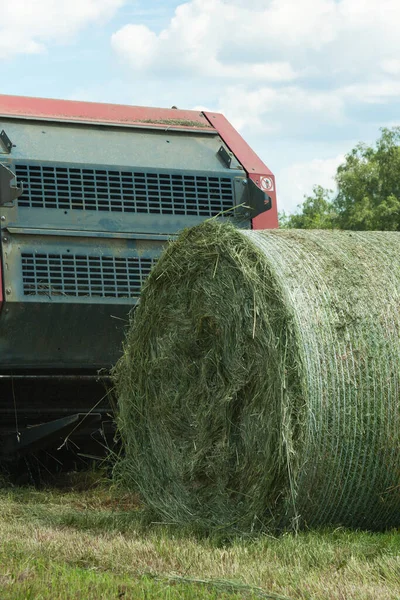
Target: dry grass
x,y
57,544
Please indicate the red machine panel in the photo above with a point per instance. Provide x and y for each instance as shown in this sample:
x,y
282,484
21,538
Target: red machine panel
x,y
137,116
93,112
257,171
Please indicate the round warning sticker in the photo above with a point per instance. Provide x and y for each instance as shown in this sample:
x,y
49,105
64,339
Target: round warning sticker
x,y
267,184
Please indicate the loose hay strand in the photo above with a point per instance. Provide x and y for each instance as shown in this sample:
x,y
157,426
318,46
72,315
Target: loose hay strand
x,y
259,386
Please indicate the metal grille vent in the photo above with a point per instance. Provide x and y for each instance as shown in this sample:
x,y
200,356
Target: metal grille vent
x,y
123,191
85,276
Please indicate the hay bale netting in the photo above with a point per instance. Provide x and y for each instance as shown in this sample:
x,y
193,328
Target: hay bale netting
x,y
259,387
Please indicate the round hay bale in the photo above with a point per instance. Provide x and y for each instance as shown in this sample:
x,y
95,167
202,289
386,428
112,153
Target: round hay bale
x,y
259,386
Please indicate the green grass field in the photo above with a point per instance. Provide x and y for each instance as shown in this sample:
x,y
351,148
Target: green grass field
x,y
96,543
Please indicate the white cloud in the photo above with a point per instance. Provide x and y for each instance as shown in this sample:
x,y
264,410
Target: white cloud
x,y
309,23
273,66
209,35
138,44
27,27
391,66
195,42
268,109
297,180
378,92
294,109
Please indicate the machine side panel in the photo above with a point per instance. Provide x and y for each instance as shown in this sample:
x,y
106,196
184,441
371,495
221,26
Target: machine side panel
x,y
138,148
256,170
68,298
117,199
1,279
58,268
61,336
97,206
80,177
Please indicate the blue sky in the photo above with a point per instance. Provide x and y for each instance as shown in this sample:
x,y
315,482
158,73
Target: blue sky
x,y
302,80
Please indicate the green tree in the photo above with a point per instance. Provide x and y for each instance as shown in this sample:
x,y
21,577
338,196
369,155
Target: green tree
x,y
368,195
369,185
316,212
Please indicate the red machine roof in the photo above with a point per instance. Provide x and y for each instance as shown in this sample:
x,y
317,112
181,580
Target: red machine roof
x,y
94,112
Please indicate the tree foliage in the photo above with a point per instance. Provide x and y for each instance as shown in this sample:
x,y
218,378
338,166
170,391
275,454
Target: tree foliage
x,y
316,212
368,191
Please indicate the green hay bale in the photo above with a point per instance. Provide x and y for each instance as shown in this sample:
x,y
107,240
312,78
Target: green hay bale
x,y
259,386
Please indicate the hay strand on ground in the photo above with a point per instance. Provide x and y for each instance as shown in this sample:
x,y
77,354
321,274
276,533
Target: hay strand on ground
x,y
259,386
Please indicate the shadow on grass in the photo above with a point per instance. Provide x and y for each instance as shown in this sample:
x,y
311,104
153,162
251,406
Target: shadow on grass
x,y
90,502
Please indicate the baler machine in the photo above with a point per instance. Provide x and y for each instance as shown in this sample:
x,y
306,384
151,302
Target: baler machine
x,y
89,194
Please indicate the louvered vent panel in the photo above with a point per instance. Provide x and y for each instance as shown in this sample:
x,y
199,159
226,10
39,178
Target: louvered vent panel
x,y
123,191
83,276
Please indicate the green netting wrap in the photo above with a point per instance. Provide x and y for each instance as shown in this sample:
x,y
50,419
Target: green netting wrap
x,y
259,386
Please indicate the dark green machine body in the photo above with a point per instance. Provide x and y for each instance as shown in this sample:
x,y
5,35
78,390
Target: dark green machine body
x,y
98,204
